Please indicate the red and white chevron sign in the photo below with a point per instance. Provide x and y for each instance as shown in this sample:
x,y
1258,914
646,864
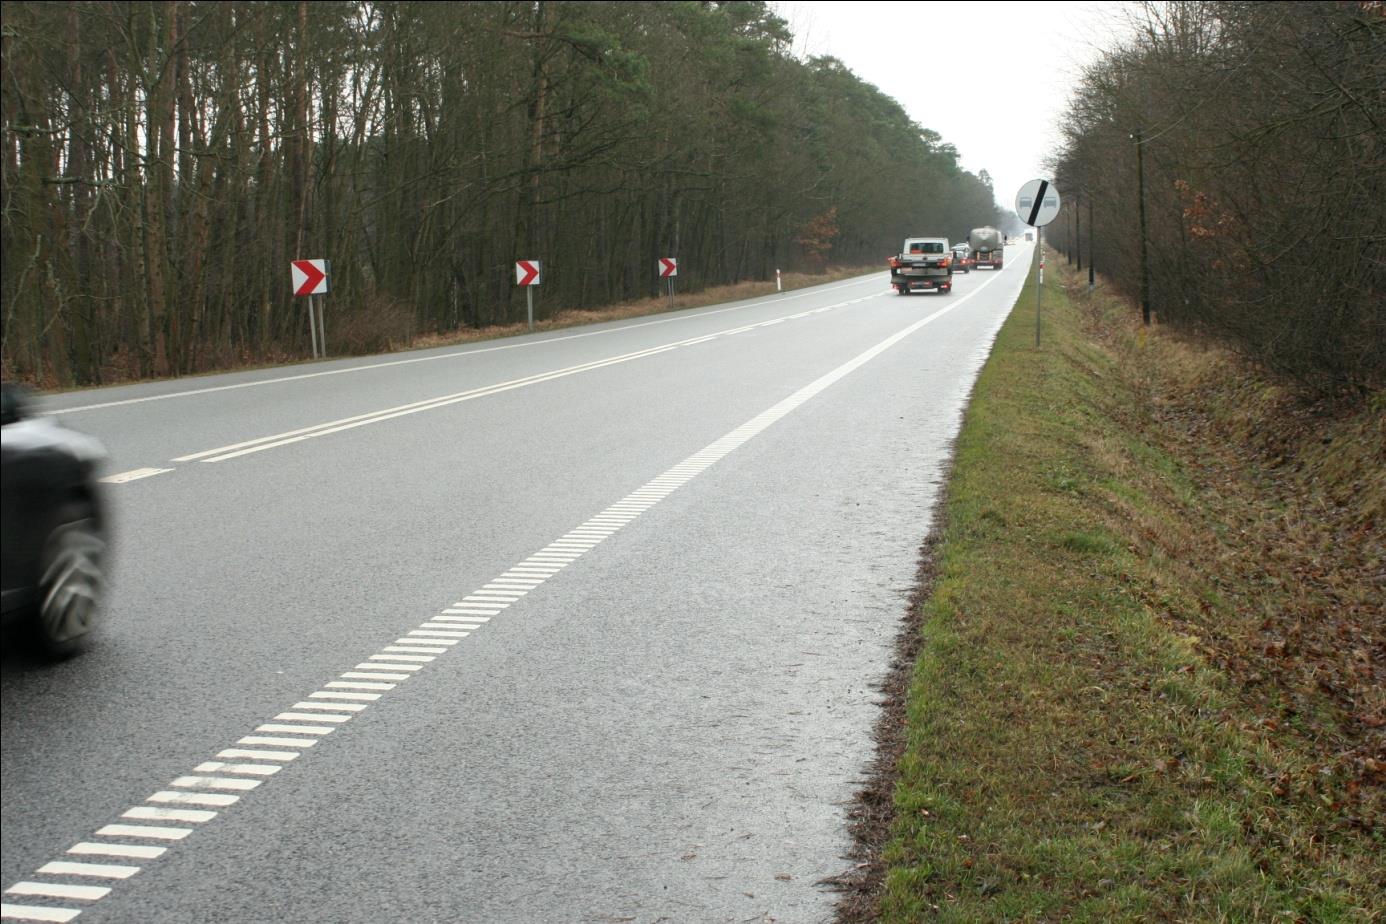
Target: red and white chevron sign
x,y
309,276
668,266
526,272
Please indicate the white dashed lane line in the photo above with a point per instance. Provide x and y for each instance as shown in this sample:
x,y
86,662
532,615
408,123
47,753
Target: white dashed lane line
x,y
135,475
214,786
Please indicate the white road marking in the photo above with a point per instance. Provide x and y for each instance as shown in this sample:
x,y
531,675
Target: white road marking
x,y
215,782
11,912
95,870
133,475
273,441
218,799
216,766
430,639
306,717
386,667
259,444
296,729
335,707
155,832
59,890
148,813
271,742
251,754
128,851
740,306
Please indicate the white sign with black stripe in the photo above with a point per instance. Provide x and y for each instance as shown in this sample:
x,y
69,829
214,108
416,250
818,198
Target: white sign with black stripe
x,y
1037,203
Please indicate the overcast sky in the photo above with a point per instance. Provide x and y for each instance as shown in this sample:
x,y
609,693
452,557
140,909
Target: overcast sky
x,y
1023,56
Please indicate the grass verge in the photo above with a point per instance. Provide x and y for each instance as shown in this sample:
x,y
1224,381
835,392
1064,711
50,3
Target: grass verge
x,y
1145,673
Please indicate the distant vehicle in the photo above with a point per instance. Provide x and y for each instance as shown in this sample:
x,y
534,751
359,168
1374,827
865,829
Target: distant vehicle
x,y
923,263
53,524
1029,235
987,247
962,258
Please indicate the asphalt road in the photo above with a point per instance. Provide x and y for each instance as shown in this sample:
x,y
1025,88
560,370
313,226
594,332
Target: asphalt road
x,y
620,596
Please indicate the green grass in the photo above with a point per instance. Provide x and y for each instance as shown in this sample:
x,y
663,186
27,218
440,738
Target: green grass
x,y
1071,754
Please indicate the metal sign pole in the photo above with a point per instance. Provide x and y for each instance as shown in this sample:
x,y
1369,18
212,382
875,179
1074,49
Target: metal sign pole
x,y
529,301
322,327
1039,288
312,327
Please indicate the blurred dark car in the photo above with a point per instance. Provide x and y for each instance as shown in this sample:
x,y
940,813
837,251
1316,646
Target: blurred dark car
x,y
962,259
53,526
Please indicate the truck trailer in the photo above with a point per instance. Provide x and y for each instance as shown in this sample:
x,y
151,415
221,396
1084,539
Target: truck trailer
x,y
988,247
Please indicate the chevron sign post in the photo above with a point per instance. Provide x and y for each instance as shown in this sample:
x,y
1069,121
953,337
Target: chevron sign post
x,y
668,269
527,274
310,277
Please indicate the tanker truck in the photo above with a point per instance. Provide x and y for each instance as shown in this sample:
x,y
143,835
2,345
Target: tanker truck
x,y
987,247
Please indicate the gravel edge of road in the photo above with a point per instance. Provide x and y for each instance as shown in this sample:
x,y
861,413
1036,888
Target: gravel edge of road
x,y
872,809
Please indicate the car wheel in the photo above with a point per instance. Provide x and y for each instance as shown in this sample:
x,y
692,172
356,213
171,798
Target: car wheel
x,y
71,586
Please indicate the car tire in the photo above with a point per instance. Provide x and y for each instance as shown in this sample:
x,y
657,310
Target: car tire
x,y
71,585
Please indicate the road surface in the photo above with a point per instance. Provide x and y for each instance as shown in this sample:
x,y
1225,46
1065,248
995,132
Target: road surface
x,y
576,626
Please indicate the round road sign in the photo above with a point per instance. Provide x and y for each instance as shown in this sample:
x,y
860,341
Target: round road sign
x,y
1037,203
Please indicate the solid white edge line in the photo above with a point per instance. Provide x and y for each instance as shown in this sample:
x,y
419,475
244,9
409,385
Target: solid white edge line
x,y
758,301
